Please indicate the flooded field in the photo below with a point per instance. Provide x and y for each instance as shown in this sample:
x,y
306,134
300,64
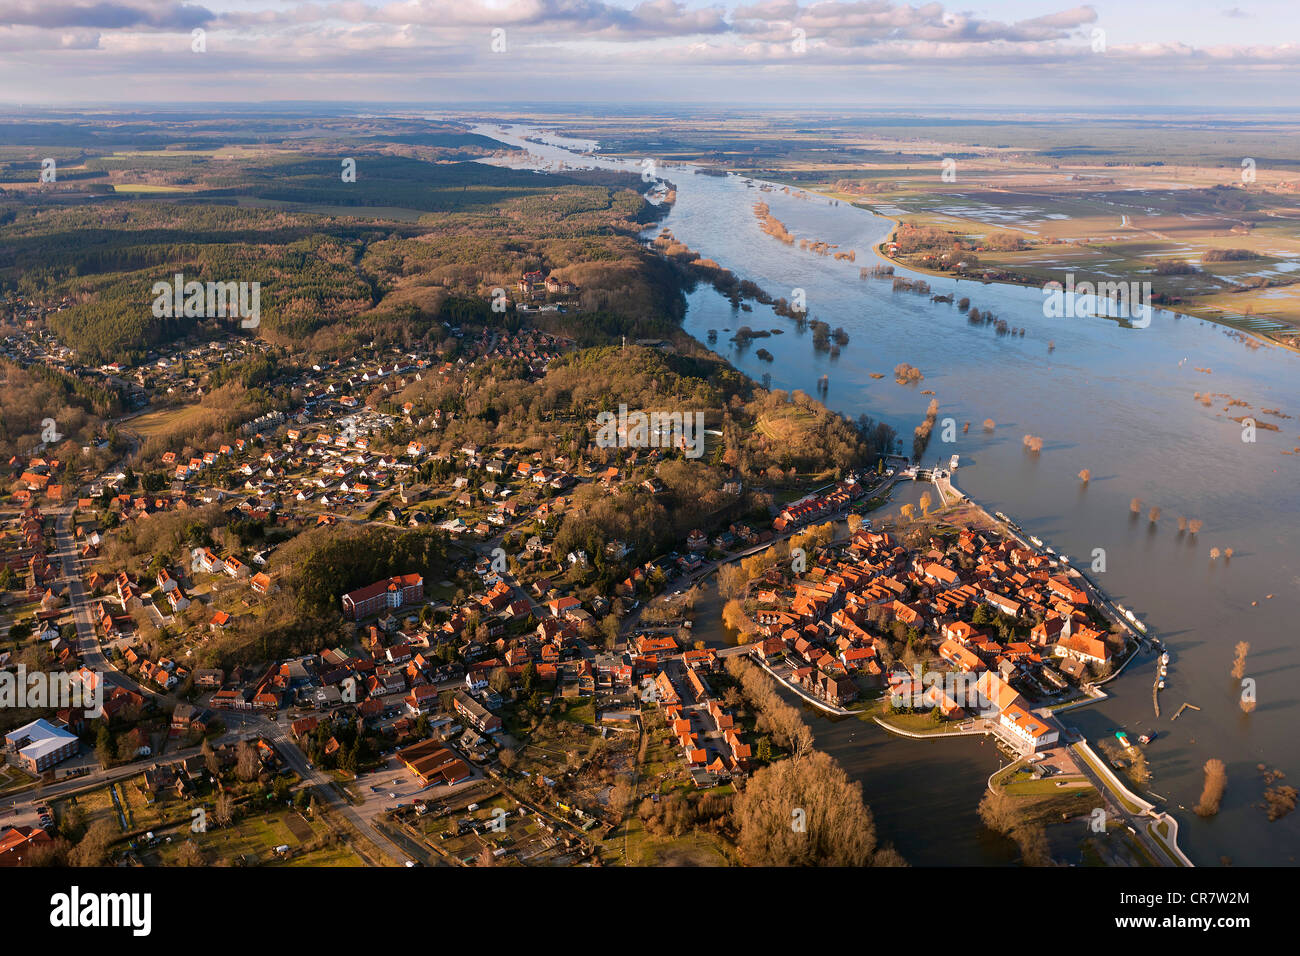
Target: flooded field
x,y
1115,400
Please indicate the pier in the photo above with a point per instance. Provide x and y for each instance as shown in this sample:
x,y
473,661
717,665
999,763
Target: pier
x,y
1181,709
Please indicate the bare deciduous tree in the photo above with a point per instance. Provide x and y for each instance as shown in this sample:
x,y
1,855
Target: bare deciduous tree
x,y
1239,659
805,812
224,813
1216,782
247,764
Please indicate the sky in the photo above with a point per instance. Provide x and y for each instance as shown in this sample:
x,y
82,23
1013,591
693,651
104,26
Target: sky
x,y
1220,54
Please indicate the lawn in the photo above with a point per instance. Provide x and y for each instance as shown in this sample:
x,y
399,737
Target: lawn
x,y
579,710
646,849
1128,804
920,723
151,424
94,804
12,779
338,854
253,840
1022,784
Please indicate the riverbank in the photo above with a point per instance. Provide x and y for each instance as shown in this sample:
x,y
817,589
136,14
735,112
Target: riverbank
x,y
881,251
1167,834
1146,439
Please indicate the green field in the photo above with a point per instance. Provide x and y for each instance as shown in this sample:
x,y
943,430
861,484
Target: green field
x,y
252,841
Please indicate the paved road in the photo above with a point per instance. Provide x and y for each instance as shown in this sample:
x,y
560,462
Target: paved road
x,y
236,729
326,792
92,655
68,556
1137,821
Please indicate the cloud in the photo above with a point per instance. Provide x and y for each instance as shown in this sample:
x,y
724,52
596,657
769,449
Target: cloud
x,y
59,15
26,39
745,50
572,19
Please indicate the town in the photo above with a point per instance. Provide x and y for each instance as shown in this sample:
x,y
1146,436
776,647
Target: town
x,y
509,687
130,579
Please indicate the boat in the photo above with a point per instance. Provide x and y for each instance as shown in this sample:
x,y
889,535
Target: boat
x,y
1038,542
1164,658
1065,558
1139,625
1160,686
1001,517
1147,738
952,463
1123,738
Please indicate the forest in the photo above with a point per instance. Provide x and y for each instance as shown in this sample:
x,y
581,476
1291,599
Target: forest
x,y
336,257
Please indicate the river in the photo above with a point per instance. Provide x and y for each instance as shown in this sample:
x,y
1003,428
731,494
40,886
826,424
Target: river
x,y
1112,399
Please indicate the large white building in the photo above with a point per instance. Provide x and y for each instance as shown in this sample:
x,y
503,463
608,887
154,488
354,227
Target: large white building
x,y
40,745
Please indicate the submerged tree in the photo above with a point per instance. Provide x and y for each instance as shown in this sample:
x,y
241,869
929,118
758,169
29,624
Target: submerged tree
x,y
1216,782
1239,659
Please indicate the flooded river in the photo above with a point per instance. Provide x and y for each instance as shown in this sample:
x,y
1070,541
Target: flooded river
x,y
1117,401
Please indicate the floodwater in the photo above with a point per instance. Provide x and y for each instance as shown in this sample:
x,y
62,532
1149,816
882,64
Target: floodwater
x,y
1112,399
